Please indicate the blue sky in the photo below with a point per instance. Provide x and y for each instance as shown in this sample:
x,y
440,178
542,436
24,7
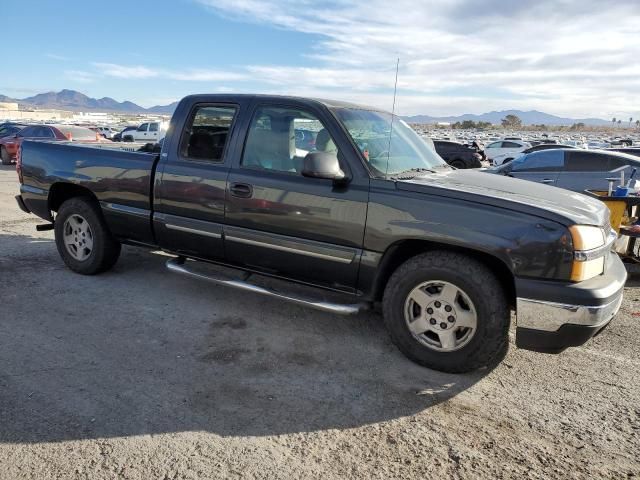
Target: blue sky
x,y
570,57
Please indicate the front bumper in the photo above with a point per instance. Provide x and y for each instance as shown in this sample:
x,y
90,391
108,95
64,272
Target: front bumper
x,y
552,317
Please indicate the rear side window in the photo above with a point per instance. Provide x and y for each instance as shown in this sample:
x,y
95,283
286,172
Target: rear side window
x,y
78,133
153,127
207,133
615,163
37,132
511,145
544,161
579,161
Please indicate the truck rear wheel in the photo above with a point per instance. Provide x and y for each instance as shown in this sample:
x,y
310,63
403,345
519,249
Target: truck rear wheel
x,y
83,239
448,312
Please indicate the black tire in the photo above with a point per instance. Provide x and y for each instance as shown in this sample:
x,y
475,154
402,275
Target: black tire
x,y
4,155
458,163
105,250
487,346
127,138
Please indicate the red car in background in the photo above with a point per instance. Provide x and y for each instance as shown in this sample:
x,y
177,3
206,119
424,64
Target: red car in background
x,y
9,146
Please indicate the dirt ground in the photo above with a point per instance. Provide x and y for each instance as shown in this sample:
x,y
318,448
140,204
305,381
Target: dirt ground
x,y
139,374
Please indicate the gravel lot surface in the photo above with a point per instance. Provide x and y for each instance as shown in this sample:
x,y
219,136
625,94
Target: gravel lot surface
x,y
138,373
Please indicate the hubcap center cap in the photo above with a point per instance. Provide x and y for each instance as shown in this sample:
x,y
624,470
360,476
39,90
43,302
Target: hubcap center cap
x,y
441,315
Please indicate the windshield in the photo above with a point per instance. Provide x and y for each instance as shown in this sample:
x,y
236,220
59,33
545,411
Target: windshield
x,y
387,155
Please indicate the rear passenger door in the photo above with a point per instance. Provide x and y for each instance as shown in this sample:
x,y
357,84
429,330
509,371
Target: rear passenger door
x,y
542,167
282,223
189,195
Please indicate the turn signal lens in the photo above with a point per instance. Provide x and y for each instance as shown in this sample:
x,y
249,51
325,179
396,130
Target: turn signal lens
x,y
585,270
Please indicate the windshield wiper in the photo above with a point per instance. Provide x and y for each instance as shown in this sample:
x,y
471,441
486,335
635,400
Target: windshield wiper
x,y
407,174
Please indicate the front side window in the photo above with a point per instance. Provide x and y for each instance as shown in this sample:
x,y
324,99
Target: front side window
x,y
388,149
280,138
144,127
495,145
207,133
544,161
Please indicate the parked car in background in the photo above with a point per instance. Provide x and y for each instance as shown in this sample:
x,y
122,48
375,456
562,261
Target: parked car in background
x,y
9,128
576,169
499,148
622,142
305,138
9,145
507,157
106,132
119,137
146,132
597,144
458,155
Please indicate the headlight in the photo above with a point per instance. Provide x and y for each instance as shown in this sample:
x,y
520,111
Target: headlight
x,y
589,245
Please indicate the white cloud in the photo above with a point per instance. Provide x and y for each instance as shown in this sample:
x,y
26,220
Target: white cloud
x,y
124,71
187,75
55,56
80,76
571,57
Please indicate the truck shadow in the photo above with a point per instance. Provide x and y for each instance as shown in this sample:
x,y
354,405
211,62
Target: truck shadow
x,y
139,351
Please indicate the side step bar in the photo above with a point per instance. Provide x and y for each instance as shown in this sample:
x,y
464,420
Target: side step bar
x,y
177,265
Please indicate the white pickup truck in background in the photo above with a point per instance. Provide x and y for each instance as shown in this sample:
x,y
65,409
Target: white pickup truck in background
x,y
147,132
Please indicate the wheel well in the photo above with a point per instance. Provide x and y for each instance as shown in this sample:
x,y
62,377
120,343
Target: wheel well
x,y
61,192
400,252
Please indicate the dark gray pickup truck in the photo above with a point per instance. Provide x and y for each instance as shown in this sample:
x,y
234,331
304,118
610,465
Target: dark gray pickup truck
x,y
346,199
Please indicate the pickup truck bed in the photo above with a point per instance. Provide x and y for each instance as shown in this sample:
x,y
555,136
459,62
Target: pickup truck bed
x,y
120,180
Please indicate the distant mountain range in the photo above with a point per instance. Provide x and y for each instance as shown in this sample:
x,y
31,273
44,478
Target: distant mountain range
x,y
532,117
79,102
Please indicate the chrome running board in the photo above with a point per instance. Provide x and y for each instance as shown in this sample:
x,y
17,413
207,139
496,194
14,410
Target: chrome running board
x,y
178,265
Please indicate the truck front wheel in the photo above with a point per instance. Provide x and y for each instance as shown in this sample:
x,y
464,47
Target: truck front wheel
x,y
447,311
83,239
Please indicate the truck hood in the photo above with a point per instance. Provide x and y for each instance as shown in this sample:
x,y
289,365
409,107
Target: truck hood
x,y
552,203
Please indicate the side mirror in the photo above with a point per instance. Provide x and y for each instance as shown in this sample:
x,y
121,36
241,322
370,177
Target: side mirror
x,y
322,165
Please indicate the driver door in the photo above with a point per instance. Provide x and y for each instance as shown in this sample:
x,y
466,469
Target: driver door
x,y
282,223
543,166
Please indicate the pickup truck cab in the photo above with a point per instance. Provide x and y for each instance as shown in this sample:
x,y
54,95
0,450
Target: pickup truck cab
x,y
367,211
146,132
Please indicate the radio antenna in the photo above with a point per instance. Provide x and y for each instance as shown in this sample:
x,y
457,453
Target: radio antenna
x,y
393,111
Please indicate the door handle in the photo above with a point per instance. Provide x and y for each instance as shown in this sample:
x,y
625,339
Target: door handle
x,y
548,180
241,190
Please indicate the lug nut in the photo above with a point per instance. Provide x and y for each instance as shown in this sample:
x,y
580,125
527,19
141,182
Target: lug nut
x,y
432,321
443,325
429,310
437,304
447,308
451,318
